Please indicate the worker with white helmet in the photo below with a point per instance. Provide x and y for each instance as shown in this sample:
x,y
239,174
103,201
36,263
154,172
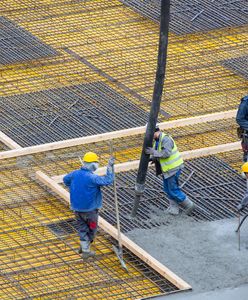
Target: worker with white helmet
x,y
86,198
244,201
169,163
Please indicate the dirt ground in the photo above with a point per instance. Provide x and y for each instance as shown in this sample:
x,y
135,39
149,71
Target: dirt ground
x,y
205,254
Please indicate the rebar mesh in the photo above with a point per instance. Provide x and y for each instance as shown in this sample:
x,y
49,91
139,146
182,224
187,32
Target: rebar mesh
x,y
69,112
39,239
38,262
238,65
105,41
18,45
193,16
214,187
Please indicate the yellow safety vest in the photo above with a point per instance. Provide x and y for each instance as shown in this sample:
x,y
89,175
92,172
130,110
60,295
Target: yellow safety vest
x,y
171,162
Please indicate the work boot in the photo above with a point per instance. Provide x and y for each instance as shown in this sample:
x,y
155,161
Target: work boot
x,y
80,250
188,206
88,254
173,208
85,250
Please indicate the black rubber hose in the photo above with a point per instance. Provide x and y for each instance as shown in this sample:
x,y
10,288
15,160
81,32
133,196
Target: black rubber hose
x,y
155,105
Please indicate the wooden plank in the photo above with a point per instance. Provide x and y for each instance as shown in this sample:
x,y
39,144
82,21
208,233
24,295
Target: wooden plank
x,y
128,166
211,150
116,134
8,141
133,165
107,227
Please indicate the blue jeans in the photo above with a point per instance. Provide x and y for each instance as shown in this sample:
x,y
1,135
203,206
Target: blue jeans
x,y
87,225
172,189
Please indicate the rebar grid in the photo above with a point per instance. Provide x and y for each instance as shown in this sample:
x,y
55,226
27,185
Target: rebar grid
x,y
238,65
214,186
36,261
74,113
233,158
64,113
104,41
192,16
18,45
116,46
39,241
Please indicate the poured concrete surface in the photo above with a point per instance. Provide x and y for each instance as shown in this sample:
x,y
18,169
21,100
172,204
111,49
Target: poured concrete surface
x,y
240,293
204,254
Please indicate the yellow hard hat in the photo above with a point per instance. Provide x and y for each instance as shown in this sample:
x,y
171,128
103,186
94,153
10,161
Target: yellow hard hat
x,y
90,157
245,167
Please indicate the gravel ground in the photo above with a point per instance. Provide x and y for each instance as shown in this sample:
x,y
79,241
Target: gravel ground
x,y
204,254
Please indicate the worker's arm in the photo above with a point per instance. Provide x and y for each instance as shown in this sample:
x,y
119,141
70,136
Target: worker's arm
x,y
167,146
105,179
242,114
108,178
67,179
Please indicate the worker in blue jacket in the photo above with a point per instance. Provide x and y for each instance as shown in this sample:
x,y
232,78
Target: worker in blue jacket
x,y
242,120
86,198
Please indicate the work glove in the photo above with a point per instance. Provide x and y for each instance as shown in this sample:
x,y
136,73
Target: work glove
x,y
111,161
240,207
110,166
149,150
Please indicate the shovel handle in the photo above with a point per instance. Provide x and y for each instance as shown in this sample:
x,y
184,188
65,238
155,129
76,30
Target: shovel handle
x,y
116,203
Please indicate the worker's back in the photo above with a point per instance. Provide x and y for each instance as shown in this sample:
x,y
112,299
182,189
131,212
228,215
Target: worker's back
x,y
242,113
85,192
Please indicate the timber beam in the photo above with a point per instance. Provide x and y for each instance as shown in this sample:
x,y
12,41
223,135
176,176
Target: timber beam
x,y
133,165
8,141
115,134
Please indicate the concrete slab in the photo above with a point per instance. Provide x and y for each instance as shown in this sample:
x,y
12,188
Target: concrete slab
x,y
204,254
239,293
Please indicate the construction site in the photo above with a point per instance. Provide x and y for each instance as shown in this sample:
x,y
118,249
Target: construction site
x,y
78,76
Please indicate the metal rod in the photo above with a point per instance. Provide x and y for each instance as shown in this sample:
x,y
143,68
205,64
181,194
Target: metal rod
x,y
239,230
119,251
187,179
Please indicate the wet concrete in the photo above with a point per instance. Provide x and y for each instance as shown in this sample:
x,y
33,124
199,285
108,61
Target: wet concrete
x,y
240,293
204,254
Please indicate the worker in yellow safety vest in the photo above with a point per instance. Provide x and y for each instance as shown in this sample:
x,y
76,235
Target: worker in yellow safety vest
x,y
169,163
244,201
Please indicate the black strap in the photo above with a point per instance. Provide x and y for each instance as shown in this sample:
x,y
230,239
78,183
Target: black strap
x,y
241,223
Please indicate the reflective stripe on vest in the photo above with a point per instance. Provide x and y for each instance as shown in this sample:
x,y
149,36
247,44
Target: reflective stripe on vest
x,y
174,160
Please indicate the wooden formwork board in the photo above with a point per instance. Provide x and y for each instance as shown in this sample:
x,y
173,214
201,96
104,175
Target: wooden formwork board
x,y
107,227
133,165
8,141
113,135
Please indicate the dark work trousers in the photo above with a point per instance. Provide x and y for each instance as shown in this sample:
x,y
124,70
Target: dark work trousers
x,y
87,225
244,145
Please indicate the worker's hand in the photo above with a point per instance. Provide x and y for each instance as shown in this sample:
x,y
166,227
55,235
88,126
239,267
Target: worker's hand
x,y
149,150
152,160
240,207
111,162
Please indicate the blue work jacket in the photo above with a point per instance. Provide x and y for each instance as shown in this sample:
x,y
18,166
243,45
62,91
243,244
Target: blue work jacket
x,y
85,189
242,114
